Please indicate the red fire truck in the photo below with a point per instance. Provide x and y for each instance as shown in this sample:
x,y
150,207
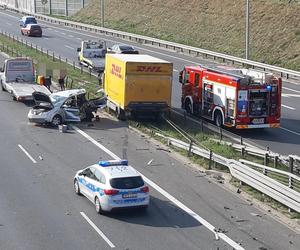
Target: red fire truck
x,y
231,97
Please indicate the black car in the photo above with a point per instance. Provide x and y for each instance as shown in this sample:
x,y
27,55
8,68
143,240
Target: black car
x,y
122,49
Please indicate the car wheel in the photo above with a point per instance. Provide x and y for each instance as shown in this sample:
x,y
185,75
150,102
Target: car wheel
x,y
98,206
57,120
76,187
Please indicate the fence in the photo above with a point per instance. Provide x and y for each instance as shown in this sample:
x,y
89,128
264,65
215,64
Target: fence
x,y
280,185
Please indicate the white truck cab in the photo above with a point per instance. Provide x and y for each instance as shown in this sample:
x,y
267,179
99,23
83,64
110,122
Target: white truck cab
x,y
17,78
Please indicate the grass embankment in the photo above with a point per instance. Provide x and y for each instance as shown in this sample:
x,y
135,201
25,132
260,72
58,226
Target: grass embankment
x,y
77,78
90,83
217,25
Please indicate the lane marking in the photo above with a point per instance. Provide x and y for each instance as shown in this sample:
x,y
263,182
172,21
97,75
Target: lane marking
x,y
290,95
97,230
175,70
288,107
197,217
26,153
291,131
69,47
297,91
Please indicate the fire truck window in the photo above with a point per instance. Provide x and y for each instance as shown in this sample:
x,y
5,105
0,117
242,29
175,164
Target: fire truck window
x,y
196,83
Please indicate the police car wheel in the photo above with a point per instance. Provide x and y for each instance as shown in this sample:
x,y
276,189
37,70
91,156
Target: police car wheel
x,y
76,187
98,206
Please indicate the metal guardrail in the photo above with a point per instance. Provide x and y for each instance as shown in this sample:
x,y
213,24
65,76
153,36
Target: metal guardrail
x,y
168,45
246,174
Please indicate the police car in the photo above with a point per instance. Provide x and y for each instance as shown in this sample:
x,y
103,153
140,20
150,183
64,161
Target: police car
x,y
112,184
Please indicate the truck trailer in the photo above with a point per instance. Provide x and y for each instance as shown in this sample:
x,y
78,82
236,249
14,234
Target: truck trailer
x,y
137,85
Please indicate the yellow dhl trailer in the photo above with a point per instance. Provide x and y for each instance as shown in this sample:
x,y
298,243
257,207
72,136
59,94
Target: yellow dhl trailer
x,y
137,84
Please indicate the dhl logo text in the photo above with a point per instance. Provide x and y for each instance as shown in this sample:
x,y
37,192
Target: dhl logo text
x,y
148,69
116,70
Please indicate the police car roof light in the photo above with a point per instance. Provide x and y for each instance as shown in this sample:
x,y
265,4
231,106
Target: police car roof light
x,y
113,163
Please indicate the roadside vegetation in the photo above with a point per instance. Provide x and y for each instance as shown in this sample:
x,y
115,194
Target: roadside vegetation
x,y
204,140
217,25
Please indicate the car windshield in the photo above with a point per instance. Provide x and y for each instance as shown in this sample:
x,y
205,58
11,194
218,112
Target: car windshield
x,y
55,99
127,182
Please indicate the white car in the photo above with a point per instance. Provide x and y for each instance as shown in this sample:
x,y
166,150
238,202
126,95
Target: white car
x,y
112,184
64,106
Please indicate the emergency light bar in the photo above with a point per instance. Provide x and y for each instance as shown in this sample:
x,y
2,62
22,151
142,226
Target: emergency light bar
x,y
113,163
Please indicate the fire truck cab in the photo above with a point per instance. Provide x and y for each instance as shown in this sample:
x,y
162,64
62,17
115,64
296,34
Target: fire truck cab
x,y
232,97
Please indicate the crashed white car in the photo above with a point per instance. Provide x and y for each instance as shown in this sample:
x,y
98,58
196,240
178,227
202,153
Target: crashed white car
x,y
64,106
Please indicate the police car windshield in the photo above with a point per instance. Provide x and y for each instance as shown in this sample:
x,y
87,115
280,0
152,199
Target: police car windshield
x,y
127,182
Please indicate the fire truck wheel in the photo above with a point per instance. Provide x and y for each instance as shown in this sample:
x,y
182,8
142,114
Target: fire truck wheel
x,y
188,106
218,119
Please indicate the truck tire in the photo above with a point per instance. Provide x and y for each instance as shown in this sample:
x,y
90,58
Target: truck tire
x,y
218,119
121,114
188,106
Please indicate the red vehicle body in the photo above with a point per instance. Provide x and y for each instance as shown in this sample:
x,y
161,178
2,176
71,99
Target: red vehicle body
x,y
238,98
32,30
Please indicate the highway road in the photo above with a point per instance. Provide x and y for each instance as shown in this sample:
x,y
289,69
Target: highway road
x,y
39,209
64,41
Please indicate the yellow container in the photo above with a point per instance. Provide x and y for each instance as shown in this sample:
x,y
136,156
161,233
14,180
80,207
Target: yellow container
x,y
41,80
138,81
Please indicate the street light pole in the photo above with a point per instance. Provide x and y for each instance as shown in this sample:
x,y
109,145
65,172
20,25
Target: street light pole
x,y
247,28
102,12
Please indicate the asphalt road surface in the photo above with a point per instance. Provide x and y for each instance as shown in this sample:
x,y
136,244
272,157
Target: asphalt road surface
x,y
39,209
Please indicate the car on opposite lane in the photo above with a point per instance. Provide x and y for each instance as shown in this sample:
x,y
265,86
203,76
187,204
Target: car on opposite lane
x,y
111,185
32,30
122,49
27,20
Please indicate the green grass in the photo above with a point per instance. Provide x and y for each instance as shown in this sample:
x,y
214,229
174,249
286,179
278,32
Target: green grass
x,y
82,80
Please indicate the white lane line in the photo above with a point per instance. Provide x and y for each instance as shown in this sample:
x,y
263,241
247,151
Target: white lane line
x,y
69,47
168,196
297,91
97,230
288,107
291,131
26,153
290,95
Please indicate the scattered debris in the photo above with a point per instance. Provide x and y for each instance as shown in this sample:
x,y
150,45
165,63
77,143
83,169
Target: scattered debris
x,y
291,242
220,230
263,248
142,149
149,162
68,213
238,191
62,128
254,214
163,149
40,157
253,238
241,220
227,208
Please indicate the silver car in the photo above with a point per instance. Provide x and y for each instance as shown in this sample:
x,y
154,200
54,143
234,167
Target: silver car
x,y
64,106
